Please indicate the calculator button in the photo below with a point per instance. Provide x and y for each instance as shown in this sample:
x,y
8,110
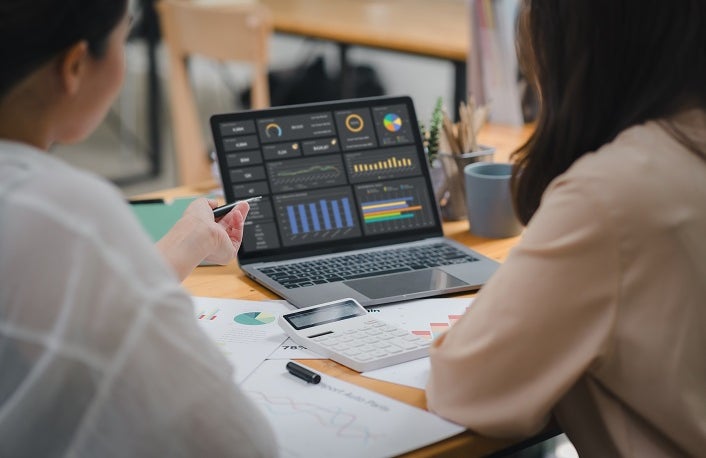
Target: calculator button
x,y
394,349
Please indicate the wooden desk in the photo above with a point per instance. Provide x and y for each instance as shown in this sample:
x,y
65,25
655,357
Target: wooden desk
x,y
438,29
230,282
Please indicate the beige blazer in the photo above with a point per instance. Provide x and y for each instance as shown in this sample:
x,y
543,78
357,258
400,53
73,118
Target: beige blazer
x,y
599,314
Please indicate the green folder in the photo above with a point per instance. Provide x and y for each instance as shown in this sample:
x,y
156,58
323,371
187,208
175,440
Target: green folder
x,y
158,218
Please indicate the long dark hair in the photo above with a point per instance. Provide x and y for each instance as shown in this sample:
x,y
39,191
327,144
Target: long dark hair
x,y
601,66
34,31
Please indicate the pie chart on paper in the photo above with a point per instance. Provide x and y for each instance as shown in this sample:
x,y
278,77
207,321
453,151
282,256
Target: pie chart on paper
x,y
254,318
392,122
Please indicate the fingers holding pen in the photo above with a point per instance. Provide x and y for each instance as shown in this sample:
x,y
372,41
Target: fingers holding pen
x,y
233,223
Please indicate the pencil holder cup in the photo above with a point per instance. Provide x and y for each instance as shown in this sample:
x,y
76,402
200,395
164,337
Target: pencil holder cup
x,y
452,199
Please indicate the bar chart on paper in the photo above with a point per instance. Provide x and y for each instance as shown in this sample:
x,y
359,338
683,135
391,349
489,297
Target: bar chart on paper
x,y
435,329
428,318
210,315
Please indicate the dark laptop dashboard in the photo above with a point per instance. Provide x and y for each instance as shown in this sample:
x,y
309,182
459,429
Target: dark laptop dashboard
x,y
333,176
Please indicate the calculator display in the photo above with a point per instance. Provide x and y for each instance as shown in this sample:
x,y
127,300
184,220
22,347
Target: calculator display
x,y
323,315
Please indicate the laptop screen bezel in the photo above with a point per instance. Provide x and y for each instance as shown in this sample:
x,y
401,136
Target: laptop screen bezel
x,y
336,246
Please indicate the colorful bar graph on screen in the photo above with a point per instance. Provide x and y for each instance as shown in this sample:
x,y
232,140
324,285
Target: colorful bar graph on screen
x,y
386,210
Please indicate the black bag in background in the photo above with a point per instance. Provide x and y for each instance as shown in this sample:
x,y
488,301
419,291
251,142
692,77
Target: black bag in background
x,y
310,83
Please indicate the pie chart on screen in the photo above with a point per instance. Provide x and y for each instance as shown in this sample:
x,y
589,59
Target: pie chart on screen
x,y
254,318
392,122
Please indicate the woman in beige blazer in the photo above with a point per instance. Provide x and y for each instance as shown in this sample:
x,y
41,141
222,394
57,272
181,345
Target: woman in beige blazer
x,y
598,316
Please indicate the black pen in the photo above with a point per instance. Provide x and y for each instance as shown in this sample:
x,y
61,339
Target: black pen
x,y
303,373
145,201
224,209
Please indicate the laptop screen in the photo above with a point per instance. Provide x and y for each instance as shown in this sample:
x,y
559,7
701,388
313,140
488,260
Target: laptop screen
x,y
333,176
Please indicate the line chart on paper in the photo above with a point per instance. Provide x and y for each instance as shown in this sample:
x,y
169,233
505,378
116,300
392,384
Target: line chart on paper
x,y
336,418
332,419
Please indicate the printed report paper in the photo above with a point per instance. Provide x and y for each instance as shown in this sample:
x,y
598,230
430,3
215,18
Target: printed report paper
x,y
245,331
336,418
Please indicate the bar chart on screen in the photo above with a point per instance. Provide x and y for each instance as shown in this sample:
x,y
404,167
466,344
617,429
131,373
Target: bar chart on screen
x,y
394,205
382,164
312,216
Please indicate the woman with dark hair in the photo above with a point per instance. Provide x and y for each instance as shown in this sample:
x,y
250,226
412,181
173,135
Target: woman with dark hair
x,y
597,317
99,352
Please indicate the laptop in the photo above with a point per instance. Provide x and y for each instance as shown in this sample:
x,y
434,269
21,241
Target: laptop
x,y
347,208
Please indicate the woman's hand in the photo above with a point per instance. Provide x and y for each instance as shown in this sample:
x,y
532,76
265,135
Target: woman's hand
x,y
228,234
197,237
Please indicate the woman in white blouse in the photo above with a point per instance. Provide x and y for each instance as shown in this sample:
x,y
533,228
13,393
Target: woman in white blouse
x,y
99,351
598,316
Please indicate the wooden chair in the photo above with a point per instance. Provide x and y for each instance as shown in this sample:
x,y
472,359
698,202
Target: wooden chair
x,y
235,33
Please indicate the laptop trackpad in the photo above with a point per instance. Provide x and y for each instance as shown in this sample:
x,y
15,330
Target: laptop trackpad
x,y
405,283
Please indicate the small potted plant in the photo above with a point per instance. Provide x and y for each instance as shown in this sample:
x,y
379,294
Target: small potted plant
x,y
432,137
450,147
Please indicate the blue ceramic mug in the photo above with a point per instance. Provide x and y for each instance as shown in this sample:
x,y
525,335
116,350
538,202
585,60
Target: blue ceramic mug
x,y
489,201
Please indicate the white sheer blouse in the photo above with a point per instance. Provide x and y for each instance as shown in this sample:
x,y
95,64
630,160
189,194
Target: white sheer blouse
x,y
99,351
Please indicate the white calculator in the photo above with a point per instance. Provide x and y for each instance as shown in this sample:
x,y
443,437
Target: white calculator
x,y
343,331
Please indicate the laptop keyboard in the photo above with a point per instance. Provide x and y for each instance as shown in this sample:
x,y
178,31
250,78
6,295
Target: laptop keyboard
x,y
350,267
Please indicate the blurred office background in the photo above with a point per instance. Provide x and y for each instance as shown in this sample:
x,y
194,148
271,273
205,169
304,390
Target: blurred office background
x,y
119,147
